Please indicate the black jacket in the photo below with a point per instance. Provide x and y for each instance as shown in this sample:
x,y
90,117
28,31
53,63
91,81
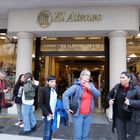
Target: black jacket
x,y
15,90
44,101
133,94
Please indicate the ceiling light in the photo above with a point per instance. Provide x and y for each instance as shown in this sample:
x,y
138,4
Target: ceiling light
x,y
129,37
128,58
94,37
43,38
138,34
14,37
62,56
51,38
79,38
33,55
2,37
132,56
3,34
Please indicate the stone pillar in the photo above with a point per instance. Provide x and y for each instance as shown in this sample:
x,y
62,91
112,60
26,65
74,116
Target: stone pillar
x,y
24,59
24,53
117,59
118,62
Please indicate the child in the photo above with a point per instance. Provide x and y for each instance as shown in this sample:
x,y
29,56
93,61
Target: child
x,y
48,99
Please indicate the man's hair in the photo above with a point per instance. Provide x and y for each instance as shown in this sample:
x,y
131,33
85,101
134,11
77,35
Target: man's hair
x,y
51,77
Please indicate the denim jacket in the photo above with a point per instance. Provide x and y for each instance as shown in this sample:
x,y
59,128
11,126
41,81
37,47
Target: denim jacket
x,y
76,90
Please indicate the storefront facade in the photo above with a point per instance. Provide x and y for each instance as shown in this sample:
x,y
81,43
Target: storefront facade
x,y
114,23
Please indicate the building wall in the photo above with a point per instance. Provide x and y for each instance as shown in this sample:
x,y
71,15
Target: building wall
x,y
113,18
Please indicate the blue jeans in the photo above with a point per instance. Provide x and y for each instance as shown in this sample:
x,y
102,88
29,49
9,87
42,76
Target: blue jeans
x,y
19,111
81,125
47,134
28,117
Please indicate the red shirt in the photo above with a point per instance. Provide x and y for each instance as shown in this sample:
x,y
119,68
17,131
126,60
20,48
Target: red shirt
x,y
85,102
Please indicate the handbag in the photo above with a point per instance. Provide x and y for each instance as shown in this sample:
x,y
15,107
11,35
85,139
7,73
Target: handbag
x,y
4,103
18,100
73,105
127,112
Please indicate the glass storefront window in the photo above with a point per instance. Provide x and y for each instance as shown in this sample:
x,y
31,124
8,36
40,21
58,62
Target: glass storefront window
x,y
8,60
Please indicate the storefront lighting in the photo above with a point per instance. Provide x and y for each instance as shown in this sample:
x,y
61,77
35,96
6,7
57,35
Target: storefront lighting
x,y
129,37
128,58
33,55
79,38
94,37
138,35
51,38
132,56
43,38
63,56
2,37
2,34
14,37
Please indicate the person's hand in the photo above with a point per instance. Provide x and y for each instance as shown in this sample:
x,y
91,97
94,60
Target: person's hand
x,y
111,101
49,117
6,90
87,85
127,101
69,111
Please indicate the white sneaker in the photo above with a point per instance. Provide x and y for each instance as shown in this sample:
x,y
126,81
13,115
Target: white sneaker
x,y
21,125
18,123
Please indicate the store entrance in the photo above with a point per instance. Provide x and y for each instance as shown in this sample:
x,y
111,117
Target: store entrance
x,y
66,57
68,68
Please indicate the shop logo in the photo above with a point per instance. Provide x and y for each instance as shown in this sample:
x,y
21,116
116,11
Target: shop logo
x,y
44,19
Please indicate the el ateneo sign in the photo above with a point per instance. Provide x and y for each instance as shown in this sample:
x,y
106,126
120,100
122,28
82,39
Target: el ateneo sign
x,y
45,18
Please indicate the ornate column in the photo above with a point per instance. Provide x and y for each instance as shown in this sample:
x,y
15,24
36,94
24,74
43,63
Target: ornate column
x,y
24,53
117,55
117,59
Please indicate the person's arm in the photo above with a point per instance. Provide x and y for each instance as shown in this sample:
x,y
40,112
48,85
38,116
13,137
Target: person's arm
x,y
111,95
65,97
135,103
42,97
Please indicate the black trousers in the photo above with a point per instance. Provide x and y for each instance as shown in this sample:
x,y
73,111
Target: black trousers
x,y
124,129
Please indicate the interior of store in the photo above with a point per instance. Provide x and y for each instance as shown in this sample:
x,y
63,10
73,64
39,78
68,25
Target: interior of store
x,y
65,57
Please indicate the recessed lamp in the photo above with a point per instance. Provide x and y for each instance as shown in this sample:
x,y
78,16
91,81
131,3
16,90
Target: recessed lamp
x,y
33,55
2,37
94,37
79,38
14,37
138,34
51,38
132,56
3,34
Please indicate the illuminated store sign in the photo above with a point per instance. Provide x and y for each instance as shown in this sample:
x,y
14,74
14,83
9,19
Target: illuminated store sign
x,y
45,18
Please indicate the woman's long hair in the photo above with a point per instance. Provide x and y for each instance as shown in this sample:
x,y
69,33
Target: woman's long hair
x,y
19,82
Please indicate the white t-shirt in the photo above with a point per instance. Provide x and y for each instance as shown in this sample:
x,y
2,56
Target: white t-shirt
x,y
53,100
27,102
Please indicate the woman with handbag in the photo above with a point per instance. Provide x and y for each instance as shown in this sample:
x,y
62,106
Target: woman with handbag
x,y
17,97
125,98
83,93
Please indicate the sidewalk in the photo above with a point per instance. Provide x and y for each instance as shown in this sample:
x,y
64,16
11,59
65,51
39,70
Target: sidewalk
x,y
100,129
16,137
